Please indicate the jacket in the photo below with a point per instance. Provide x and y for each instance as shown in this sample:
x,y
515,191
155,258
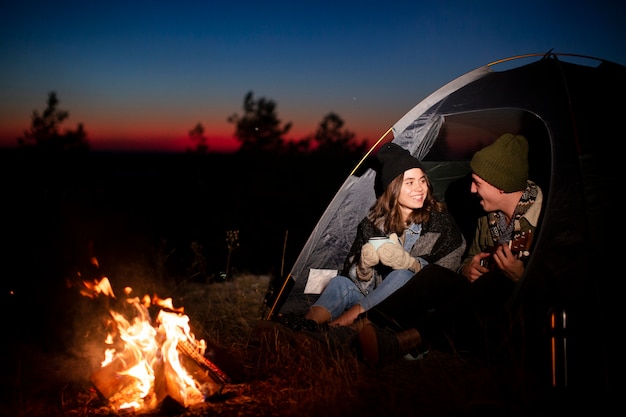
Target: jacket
x,y
525,226
440,242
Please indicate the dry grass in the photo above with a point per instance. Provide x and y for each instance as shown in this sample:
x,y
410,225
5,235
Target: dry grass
x,y
273,377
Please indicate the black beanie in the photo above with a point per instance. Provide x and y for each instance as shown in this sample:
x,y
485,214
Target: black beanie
x,y
395,160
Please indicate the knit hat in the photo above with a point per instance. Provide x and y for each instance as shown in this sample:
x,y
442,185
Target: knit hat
x,y
395,160
504,163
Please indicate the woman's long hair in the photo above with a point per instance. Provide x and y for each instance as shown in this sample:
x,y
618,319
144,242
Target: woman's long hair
x,y
386,214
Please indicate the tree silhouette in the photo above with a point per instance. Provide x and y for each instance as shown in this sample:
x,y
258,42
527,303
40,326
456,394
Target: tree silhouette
x,y
331,137
197,136
258,129
298,146
44,133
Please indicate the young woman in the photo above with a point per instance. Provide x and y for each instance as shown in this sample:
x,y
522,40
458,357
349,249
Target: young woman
x,y
420,230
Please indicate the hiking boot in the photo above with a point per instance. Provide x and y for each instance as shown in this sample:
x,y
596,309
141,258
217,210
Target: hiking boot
x,y
339,338
380,347
298,323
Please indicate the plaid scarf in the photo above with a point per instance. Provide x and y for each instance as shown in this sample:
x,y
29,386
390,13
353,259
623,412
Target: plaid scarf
x,y
501,232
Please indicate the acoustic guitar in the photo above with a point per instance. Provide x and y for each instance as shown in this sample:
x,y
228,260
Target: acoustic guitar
x,y
519,247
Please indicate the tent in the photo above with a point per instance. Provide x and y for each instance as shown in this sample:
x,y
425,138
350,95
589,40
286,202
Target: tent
x,y
570,108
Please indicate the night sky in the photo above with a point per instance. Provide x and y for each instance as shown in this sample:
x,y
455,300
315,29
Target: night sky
x,y
140,74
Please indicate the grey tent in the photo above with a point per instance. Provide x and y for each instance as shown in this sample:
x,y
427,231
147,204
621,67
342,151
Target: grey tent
x,y
570,107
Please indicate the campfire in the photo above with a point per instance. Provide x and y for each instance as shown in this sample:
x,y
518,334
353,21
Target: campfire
x,y
150,362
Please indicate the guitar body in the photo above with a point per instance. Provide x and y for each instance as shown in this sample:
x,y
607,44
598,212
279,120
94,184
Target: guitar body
x,y
519,246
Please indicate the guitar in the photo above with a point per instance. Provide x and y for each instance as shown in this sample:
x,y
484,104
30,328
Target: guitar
x,y
519,247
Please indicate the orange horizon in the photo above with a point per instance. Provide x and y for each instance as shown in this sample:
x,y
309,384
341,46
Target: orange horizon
x,y
169,132
148,141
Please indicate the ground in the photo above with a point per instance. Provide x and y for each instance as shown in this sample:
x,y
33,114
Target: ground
x,y
269,377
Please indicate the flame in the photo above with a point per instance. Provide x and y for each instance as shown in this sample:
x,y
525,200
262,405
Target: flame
x,y
141,364
94,288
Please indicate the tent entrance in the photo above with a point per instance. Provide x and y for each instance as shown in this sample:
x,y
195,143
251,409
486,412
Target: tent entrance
x,y
446,143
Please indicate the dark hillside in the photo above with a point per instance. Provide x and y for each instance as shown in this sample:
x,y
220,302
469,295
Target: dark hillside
x,y
55,207
170,211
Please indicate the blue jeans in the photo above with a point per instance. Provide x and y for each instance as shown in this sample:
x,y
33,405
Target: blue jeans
x,y
340,294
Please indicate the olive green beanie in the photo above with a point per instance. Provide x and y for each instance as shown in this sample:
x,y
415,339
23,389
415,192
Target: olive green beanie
x,y
504,163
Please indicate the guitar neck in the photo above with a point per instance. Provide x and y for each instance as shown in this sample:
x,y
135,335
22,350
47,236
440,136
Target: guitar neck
x,y
521,243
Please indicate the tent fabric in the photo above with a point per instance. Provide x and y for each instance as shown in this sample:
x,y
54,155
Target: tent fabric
x,y
400,127
328,245
330,241
571,111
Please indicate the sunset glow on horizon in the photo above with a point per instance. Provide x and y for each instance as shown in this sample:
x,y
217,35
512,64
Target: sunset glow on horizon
x,y
123,130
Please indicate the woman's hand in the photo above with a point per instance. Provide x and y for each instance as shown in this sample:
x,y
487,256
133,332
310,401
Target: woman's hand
x,y
394,256
369,256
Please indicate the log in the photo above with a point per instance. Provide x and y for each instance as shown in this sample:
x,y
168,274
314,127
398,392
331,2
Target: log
x,y
189,350
108,379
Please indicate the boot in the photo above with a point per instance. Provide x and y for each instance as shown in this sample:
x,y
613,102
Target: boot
x,y
298,322
380,347
336,338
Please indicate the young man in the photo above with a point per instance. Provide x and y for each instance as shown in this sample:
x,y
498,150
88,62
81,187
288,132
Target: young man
x,y
440,309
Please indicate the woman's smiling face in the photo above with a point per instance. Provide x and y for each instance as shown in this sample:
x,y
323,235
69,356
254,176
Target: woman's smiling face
x,y
414,189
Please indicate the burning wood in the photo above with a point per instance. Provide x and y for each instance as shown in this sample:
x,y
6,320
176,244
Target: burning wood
x,y
110,379
145,364
188,349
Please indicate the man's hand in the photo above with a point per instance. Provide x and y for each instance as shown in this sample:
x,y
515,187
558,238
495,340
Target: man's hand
x,y
509,263
474,269
503,258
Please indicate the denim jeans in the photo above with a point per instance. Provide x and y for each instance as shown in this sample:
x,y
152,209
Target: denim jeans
x,y
340,294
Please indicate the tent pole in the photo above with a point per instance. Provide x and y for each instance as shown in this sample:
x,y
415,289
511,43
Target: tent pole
x,y
370,151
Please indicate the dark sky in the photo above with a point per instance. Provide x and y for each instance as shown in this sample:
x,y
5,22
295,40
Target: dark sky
x,y
141,74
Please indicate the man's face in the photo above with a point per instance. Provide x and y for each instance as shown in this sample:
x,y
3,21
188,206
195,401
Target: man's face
x,y
490,196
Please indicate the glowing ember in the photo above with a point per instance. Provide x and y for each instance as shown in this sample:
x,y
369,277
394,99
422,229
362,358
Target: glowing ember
x,y
143,363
